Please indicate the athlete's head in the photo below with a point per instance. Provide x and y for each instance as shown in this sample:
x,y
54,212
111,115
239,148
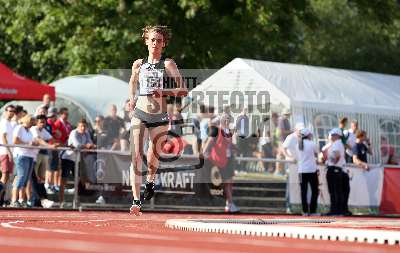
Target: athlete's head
x,y
156,37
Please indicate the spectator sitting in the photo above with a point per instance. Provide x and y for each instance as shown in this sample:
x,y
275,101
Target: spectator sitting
x,y
114,126
79,138
361,149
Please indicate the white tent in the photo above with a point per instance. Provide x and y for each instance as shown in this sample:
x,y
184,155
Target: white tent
x,y
93,93
310,92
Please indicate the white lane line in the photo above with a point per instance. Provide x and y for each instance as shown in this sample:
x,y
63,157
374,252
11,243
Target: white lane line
x,y
12,225
63,231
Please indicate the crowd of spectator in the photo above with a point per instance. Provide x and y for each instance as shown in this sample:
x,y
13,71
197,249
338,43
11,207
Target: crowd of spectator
x,y
39,172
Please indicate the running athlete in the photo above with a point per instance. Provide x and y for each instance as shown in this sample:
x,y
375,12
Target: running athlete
x,y
150,117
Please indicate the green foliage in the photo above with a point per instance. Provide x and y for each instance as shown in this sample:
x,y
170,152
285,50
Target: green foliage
x,y
51,39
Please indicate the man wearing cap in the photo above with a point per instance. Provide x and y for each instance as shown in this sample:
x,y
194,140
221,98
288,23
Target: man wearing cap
x,y
335,174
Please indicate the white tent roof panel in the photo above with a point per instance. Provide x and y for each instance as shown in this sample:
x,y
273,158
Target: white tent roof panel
x,y
309,86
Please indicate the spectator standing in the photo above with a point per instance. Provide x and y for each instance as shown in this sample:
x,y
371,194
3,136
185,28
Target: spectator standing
x,y
307,169
334,176
388,152
64,128
222,133
114,126
242,130
345,135
360,150
351,140
283,130
227,111
290,145
125,134
99,134
54,158
41,161
6,156
46,102
23,160
78,138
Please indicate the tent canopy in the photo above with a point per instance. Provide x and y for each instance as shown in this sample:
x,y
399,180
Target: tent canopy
x,y
94,94
16,87
309,86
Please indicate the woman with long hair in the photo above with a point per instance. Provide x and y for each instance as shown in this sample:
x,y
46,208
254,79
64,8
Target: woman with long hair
x,y
307,169
150,117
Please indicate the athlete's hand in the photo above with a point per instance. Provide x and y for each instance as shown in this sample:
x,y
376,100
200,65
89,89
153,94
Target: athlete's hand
x,y
131,104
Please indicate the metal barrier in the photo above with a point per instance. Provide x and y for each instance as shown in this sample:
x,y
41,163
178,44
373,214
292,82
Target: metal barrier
x,y
78,153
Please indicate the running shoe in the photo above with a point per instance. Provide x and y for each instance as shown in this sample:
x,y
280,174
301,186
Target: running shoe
x,y
148,190
135,208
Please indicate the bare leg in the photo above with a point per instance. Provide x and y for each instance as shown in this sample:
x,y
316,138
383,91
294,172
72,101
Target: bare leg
x,y
228,191
139,135
14,193
158,137
62,186
4,178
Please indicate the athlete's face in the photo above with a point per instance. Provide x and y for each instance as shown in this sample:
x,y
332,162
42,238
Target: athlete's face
x,y
155,42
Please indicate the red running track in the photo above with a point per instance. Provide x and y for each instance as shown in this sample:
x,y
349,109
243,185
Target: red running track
x,y
117,232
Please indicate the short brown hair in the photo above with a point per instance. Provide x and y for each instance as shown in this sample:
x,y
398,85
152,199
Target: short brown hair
x,y
360,134
343,121
82,121
161,29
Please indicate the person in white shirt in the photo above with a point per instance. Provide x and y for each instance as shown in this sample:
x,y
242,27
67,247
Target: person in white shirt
x,y
291,142
307,169
23,159
6,131
335,174
6,157
41,163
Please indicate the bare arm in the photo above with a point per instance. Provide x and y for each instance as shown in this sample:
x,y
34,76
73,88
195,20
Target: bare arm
x,y
360,163
4,137
173,72
133,81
